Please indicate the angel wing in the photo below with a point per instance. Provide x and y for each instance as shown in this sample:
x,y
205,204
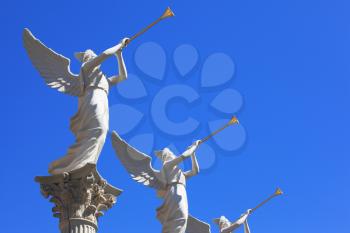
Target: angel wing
x,y
52,66
137,163
195,225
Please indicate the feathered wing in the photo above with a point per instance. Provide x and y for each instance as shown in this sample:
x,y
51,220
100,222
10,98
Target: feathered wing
x,y
137,163
52,66
195,225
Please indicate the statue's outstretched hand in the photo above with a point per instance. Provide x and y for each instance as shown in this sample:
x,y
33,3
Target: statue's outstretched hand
x,y
244,217
196,143
124,42
117,48
192,148
245,214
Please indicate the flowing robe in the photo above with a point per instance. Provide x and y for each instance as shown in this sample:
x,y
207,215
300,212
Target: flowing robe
x,y
89,124
173,213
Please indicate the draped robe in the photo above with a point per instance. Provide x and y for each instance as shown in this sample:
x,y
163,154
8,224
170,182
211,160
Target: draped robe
x,y
173,213
89,124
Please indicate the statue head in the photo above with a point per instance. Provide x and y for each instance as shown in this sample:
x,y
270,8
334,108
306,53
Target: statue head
x,y
165,154
85,56
223,222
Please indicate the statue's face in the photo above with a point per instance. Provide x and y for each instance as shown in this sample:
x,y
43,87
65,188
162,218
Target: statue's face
x,y
165,154
223,222
88,55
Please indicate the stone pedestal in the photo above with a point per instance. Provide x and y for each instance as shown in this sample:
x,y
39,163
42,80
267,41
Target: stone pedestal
x,y
80,197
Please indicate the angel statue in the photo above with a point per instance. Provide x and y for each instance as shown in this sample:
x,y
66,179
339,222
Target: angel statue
x,y
170,181
90,124
227,227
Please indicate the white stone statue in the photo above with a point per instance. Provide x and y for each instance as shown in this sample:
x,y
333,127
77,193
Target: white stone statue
x,y
91,86
227,227
170,181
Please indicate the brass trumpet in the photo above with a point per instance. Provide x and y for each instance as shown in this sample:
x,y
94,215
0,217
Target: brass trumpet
x,y
167,13
233,121
275,194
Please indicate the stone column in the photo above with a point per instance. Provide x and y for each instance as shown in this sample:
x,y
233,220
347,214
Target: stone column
x,y
80,197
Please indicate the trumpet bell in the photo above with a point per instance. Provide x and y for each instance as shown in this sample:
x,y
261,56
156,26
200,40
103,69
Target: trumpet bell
x,y
167,13
278,192
233,120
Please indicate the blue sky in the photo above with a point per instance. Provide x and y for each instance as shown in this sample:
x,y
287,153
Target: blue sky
x,y
291,67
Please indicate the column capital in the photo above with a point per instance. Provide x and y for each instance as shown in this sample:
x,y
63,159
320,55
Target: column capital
x,y
80,198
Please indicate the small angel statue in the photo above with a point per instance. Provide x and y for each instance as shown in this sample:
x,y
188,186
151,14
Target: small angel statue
x,y
227,227
170,181
91,86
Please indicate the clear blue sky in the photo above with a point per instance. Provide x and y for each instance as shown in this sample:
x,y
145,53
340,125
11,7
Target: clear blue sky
x,y
292,63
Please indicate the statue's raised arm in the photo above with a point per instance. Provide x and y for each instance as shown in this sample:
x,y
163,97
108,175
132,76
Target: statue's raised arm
x,y
229,227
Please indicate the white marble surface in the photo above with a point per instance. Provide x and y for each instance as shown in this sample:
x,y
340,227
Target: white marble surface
x,y
228,227
91,86
170,181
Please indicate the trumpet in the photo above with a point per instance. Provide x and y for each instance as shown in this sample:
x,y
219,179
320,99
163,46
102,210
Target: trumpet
x,y
275,194
167,13
232,121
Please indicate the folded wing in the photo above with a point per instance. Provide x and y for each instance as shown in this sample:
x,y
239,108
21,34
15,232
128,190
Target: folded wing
x,y
53,67
137,163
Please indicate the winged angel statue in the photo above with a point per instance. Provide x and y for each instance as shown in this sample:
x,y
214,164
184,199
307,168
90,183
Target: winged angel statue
x,y
227,227
170,182
90,123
